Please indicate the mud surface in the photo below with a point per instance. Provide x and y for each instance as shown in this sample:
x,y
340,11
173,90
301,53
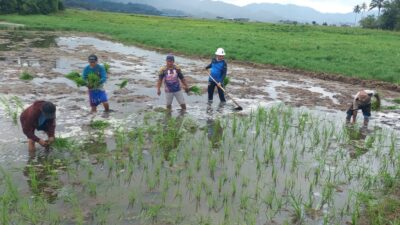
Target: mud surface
x,y
50,56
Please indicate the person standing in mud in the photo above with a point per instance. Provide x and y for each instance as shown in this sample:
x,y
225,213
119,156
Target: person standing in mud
x,y
362,101
172,76
97,95
41,115
219,68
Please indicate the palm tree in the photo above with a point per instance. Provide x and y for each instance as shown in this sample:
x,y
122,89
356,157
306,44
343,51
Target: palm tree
x,y
364,7
376,4
356,10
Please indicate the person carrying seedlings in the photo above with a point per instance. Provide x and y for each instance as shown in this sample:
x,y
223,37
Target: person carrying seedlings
x,y
41,115
219,69
95,76
172,76
362,101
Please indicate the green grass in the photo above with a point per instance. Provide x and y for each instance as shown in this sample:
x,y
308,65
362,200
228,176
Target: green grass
x,y
355,52
26,76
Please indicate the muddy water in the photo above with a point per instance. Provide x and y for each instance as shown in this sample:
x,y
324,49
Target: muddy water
x,y
49,59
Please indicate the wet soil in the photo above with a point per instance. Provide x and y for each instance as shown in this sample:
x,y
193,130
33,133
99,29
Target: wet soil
x,y
49,56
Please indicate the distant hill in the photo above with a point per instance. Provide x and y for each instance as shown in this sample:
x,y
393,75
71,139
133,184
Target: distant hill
x,y
266,12
111,6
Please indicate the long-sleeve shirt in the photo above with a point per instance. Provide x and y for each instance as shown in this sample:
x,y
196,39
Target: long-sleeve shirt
x,y
218,70
363,98
99,70
30,121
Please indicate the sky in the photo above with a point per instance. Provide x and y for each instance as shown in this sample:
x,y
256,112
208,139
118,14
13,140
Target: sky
x,y
331,6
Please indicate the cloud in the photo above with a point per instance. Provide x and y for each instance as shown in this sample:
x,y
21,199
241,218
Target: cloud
x,y
343,6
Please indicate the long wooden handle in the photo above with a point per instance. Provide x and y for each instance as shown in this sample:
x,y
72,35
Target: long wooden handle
x,y
219,86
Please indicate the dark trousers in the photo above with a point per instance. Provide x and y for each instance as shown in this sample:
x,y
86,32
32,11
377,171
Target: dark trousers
x,y
211,88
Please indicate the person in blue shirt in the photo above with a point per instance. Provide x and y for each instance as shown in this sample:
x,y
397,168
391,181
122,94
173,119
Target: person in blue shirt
x,y
97,95
219,69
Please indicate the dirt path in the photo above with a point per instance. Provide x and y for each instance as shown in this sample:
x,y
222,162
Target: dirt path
x,y
51,55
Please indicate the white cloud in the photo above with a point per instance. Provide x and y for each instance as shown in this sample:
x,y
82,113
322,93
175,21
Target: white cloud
x,y
342,6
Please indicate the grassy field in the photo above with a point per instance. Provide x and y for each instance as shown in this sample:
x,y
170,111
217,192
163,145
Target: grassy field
x,y
367,54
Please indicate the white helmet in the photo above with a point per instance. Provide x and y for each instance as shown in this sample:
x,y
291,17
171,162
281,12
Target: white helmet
x,y
220,51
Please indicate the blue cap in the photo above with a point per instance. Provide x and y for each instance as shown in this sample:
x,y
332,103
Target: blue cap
x,y
171,58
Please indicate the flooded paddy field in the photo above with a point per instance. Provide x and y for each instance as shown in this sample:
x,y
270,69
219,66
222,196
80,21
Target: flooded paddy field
x,y
287,158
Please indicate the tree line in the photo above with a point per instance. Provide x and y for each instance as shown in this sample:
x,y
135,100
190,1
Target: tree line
x,y
388,14
30,6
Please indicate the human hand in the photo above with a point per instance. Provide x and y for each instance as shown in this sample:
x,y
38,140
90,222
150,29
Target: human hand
x,y
158,92
51,140
43,143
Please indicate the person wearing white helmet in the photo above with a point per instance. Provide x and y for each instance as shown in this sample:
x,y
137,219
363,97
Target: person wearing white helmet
x,y
219,68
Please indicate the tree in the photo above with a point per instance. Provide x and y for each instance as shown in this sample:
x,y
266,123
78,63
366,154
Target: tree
x,y
364,7
8,6
356,10
369,22
376,4
390,18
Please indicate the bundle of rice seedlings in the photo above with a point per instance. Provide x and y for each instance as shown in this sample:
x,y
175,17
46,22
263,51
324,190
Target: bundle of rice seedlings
x,y
227,80
77,78
26,76
93,81
106,67
195,90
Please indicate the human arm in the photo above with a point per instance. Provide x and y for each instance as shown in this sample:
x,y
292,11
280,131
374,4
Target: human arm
x,y
85,74
183,80
159,82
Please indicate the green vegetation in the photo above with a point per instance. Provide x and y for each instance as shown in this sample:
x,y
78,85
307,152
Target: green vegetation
x,y
268,166
26,76
388,20
99,124
335,50
396,100
77,78
227,80
93,81
107,67
30,6
195,90
13,107
122,84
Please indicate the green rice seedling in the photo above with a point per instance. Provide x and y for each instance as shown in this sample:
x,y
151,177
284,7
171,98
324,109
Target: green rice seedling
x,y
396,100
13,107
195,90
99,124
62,143
234,189
107,67
25,75
212,164
123,84
226,81
198,193
73,75
297,205
244,201
93,81
77,78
